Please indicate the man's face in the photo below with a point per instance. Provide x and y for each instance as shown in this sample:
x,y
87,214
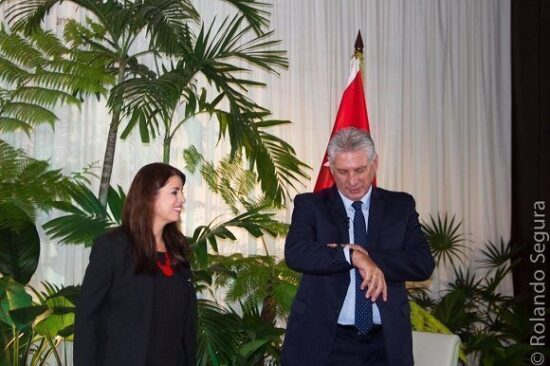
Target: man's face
x,y
353,173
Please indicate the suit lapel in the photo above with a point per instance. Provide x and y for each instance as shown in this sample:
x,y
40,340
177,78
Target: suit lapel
x,y
338,213
376,215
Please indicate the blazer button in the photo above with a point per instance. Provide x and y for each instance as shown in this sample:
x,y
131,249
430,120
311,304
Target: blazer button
x,y
332,261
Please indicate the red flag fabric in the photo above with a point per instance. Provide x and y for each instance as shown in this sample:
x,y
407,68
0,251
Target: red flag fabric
x,y
351,113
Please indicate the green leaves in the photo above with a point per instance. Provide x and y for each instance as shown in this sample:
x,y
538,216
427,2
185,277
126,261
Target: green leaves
x,y
445,239
40,73
217,334
501,254
253,221
166,22
230,337
54,315
12,296
27,183
19,244
252,279
88,218
150,101
492,326
272,158
254,12
229,179
36,328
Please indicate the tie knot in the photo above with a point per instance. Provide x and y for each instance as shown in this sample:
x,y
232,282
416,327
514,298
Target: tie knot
x,y
357,205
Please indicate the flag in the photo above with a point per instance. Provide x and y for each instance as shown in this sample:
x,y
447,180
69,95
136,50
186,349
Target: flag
x,y
351,113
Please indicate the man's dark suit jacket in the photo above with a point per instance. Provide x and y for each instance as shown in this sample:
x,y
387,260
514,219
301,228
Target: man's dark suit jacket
x,y
395,243
114,310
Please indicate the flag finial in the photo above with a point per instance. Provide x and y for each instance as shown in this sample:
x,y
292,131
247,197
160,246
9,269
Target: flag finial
x,y
359,42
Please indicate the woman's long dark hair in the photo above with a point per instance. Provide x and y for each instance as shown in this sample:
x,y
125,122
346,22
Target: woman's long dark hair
x,y
137,219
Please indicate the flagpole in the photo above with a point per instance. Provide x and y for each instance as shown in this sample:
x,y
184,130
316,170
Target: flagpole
x,y
359,51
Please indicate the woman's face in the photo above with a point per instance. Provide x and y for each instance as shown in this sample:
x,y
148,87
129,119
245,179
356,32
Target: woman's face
x,y
169,202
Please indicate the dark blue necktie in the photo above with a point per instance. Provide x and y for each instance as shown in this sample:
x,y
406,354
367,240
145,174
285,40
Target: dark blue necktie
x,y
363,306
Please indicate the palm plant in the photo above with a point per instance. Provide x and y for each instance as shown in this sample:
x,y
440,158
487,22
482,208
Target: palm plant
x,y
13,342
121,24
218,331
32,331
152,102
259,343
261,287
146,96
493,327
29,332
27,185
236,337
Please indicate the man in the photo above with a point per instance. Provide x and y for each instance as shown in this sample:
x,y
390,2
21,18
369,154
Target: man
x,y
351,307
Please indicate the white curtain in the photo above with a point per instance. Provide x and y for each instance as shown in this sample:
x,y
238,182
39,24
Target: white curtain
x,y
437,76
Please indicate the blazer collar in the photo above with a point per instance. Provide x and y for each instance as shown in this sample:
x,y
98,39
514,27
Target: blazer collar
x,y
340,217
338,213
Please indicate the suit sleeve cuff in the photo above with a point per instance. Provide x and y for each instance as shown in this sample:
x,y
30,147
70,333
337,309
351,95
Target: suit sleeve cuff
x,y
347,253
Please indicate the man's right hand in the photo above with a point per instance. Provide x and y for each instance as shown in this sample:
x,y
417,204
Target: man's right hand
x,y
373,277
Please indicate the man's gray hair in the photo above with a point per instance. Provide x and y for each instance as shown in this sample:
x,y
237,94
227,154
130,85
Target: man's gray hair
x,y
349,140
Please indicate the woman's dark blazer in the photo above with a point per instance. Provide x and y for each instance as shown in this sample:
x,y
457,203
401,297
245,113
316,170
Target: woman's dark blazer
x,y
114,310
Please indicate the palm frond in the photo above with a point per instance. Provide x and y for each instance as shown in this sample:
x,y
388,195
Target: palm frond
x,y
254,222
494,280
454,312
20,50
166,22
89,38
253,279
12,73
258,339
467,282
254,12
28,183
421,297
217,334
497,255
33,114
28,15
12,296
41,74
273,159
229,178
445,239
214,55
47,98
148,102
86,218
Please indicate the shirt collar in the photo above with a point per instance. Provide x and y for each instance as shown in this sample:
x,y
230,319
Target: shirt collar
x,y
365,199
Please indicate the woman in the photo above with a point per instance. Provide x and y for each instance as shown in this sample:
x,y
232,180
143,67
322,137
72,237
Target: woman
x,y
137,305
